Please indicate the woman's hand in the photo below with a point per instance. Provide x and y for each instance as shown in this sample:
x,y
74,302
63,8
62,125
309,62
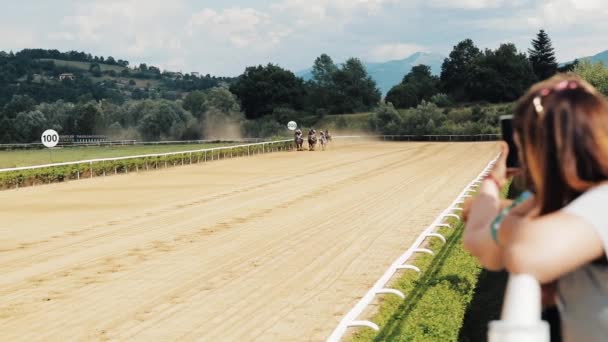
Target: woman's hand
x,y
500,172
492,186
466,206
480,211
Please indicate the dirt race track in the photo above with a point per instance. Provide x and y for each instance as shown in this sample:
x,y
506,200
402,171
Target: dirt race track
x,y
273,247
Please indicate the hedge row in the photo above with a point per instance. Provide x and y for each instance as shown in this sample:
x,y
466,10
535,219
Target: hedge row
x,y
16,179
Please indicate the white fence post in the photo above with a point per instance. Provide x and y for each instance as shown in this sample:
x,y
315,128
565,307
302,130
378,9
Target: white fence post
x,y
351,318
521,313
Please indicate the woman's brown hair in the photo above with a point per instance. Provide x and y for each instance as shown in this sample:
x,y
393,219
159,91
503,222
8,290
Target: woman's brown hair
x,y
562,125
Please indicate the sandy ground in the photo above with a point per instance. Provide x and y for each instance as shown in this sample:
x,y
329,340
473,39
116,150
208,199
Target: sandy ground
x,y
273,247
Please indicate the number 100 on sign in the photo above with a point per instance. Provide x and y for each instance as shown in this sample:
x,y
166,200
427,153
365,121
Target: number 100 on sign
x,y
50,138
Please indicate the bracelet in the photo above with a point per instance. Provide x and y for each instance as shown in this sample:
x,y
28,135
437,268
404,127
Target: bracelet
x,y
495,226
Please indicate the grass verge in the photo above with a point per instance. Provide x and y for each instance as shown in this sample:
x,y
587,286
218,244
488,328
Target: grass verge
x,y
436,300
452,300
18,158
47,175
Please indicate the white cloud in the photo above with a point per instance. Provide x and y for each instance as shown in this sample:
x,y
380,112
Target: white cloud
x,y
171,35
242,27
332,14
558,15
129,27
213,37
320,8
472,4
393,51
25,36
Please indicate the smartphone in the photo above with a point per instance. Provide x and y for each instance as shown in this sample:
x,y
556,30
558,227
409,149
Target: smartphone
x,y
506,126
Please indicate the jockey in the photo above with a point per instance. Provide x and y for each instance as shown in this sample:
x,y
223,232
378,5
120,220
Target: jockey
x,y
298,132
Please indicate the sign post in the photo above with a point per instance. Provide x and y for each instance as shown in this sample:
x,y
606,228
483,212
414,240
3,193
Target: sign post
x,y
50,139
292,125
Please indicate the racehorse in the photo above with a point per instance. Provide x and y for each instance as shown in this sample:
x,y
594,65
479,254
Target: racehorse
x,y
298,140
312,139
322,140
327,135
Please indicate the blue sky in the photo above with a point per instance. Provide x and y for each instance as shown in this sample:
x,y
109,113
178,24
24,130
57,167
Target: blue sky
x,y
223,37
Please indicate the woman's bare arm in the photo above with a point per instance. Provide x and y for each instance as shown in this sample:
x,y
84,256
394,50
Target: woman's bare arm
x,y
547,247
477,237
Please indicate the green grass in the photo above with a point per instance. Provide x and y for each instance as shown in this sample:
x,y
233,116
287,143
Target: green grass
x,y
139,83
453,299
47,175
84,66
436,301
17,158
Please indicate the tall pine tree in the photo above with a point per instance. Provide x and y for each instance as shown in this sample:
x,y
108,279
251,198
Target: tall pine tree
x,y
542,56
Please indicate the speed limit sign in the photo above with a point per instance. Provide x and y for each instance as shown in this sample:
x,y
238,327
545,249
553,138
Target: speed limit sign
x,y
292,125
50,138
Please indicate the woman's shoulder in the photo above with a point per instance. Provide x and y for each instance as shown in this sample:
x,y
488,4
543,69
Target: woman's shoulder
x,y
592,206
598,192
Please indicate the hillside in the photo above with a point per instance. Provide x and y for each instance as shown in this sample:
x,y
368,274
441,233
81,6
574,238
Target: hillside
x,y
51,75
599,57
388,74
83,66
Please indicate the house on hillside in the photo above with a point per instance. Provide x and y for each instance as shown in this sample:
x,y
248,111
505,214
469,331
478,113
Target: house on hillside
x,y
67,76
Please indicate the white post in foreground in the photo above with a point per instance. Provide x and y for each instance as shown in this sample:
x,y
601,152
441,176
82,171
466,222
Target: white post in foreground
x,y
521,310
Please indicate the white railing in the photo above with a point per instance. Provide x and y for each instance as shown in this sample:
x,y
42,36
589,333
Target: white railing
x,y
85,143
144,162
154,155
89,161
352,318
520,320
16,182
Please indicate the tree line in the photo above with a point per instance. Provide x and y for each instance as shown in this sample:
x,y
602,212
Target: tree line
x,y
195,107
345,88
264,97
472,75
23,120
423,103
66,56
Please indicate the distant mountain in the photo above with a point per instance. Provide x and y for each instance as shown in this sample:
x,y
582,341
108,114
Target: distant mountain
x,y
600,57
389,74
